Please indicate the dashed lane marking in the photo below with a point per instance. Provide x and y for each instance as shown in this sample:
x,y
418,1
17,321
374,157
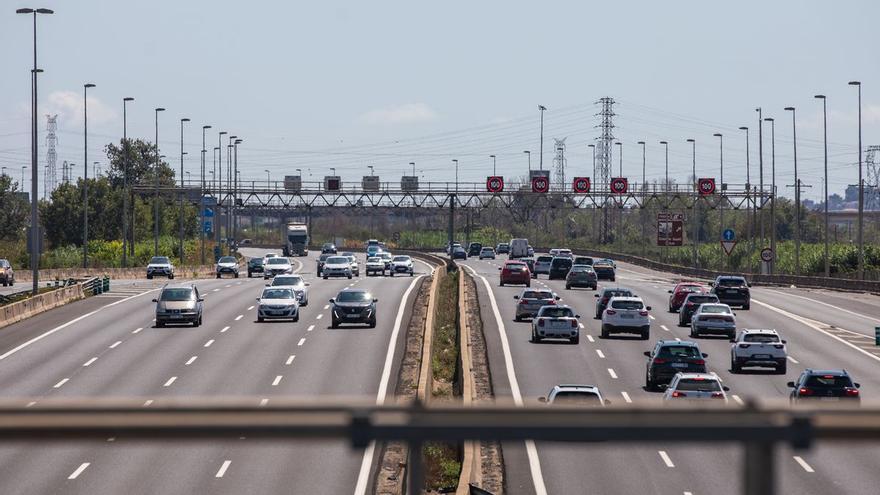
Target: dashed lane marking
x,y
170,381
277,380
666,459
665,328
737,399
263,402
319,316
148,402
224,329
311,327
208,343
191,360
223,468
136,330
326,306
61,383
590,338
82,467
626,397
290,360
250,308
612,373
301,341
239,317
793,360
600,353
90,361
800,460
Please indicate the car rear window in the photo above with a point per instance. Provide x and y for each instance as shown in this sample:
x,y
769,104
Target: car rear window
x,y
256,261
561,262
338,259
286,281
714,308
576,398
682,351
182,294
277,294
829,381
627,304
515,267
617,292
545,259
227,259
702,299
401,258
354,296
731,282
762,338
557,312
698,385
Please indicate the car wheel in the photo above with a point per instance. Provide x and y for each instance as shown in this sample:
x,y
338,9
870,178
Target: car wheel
x,y
260,319
567,287
517,318
680,321
649,385
411,274
325,277
604,332
250,274
236,274
391,273
171,277
646,334
218,275
500,283
731,336
747,305
149,277
693,333
575,340
160,324
296,318
373,323
349,277
612,279
334,323
735,368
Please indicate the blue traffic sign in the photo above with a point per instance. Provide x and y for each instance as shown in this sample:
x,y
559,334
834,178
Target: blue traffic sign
x,y
728,235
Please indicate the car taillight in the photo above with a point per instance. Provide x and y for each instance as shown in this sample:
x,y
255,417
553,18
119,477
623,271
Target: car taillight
x,y
643,313
728,319
523,301
551,302
804,391
679,394
610,312
701,362
540,322
659,361
852,392
778,346
717,395
574,324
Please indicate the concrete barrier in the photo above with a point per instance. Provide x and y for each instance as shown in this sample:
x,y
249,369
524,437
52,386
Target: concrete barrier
x,y
51,274
17,311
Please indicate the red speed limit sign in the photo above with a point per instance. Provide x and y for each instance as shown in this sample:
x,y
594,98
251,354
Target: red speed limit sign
x,y
540,184
619,185
706,185
581,184
495,184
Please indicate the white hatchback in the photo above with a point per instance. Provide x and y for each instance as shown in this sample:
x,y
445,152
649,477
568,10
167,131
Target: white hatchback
x,y
626,315
696,386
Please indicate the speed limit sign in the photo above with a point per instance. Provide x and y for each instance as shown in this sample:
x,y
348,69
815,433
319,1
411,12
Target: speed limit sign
x,y
540,184
767,255
495,184
581,184
619,185
706,186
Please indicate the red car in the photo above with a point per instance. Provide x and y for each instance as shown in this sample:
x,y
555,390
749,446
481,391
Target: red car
x,y
681,291
516,272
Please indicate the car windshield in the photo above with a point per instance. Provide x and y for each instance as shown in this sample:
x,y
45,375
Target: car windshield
x,y
581,268
690,288
698,385
159,260
354,296
286,281
374,259
583,260
829,381
278,261
627,304
336,260
679,351
557,312
761,338
561,262
701,299
714,308
181,294
579,398
545,259
487,250
401,258
731,282
256,261
227,259
385,255
277,294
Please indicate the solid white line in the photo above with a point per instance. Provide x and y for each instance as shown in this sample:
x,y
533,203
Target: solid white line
x,y
250,308
170,381
666,459
590,338
793,360
311,327
239,317
836,308
208,343
612,373
148,402
599,352
804,464
223,468
82,467
664,327
301,341
113,346
31,403
62,382
136,330
360,487
626,397
290,360
90,361
737,399
224,329
327,306
319,316
191,360
277,380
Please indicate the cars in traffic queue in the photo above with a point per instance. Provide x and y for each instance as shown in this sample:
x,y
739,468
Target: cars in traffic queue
x,y
487,253
374,266
559,268
320,262
402,264
530,301
227,265
732,290
575,395
556,322
355,267
474,249
179,304
825,385
502,248
713,319
336,266
581,276
530,262
530,251
254,265
669,357
7,273
450,248
519,248
160,266
680,291
609,261
583,260
606,294
353,306
386,257
565,253
626,315
278,265
605,270
300,287
690,305
515,272
542,264
459,253
696,386
269,255
277,303
373,250
328,248
759,347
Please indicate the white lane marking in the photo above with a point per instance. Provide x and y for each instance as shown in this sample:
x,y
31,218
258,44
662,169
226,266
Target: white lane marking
x,y
793,360
531,450
737,399
652,317
170,381
82,467
223,468
319,316
224,329
836,308
581,324
311,327
612,373
326,306
31,403
290,360
228,285
301,341
148,402
804,464
65,325
216,290
678,339
90,361
664,327
277,380
687,493
360,487
666,459
263,402
590,338
239,317
208,343
136,330
190,360
250,308
62,382
111,439
599,352
626,397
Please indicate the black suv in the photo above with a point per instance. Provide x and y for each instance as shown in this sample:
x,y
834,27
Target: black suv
x,y
353,306
328,248
474,249
322,259
559,268
255,265
824,384
691,303
670,357
606,295
732,290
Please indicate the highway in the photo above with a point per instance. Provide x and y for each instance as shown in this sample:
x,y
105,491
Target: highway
x,y
107,346
823,329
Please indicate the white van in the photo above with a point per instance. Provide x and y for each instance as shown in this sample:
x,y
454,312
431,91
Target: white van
x,y
519,248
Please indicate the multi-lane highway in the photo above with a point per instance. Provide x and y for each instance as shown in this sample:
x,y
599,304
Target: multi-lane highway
x,y
824,330
107,346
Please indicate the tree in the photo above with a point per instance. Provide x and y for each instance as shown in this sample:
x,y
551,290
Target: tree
x,y
13,210
141,164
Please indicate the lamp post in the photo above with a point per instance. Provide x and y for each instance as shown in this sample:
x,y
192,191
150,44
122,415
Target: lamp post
x,y
666,179
86,174
761,172
825,182
218,210
268,178
751,226
721,181
229,190
620,158
542,108
455,161
125,192
23,168
35,219
413,164
797,197
773,190
235,219
180,203
696,220
644,176
529,155
861,238
493,164
202,200
156,188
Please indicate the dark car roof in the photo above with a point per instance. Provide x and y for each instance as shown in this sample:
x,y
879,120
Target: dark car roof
x,y
826,372
686,343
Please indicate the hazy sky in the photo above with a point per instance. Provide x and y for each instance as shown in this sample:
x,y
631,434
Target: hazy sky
x,y
314,85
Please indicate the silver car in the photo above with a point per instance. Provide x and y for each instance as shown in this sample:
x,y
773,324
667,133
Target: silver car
x,y
337,266
713,318
542,264
300,287
355,268
277,303
529,301
696,386
278,265
557,322
178,304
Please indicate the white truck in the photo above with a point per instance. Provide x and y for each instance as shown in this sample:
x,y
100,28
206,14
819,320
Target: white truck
x,y
296,239
519,248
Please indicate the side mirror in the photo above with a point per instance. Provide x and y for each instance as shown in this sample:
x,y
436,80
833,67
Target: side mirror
x,y
557,298
749,284
332,300
858,385
375,300
542,399
258,299
669,291
201,299
595,295
648,308
499,267
790,384
784,341
726,389
155,300
308,284
269,285
711,284
516,297
577,316
705,354
647,353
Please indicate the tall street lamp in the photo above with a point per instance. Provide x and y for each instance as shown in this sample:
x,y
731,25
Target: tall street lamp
x,y
529,155
156,189
696,241
644,176
235,219
721,181
180,203
593,147
748,193
218,210
125,152
35,219
861,238
797,197
456,173
542,109
825,192
229,190
493,164
666,146
268,179
202,199
86,174
23,168
620,158
773,191
694,158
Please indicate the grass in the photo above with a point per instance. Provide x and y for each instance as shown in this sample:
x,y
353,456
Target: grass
x,y
442,466
444,359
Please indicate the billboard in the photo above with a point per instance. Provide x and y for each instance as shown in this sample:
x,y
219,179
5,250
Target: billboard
x,y
670,229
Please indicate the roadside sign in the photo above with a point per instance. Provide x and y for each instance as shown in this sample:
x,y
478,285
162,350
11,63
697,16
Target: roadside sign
x,y
540,184
876,335
670,229
495,184
332,183
619,185
706,186
767,255
581,185
728,246
728,235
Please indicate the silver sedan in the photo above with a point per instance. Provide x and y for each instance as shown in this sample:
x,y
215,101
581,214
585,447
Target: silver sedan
x,y
713,318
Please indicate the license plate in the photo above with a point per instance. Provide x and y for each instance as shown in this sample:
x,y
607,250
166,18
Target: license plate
x,y
732,292
762,356
830,399
352,316
627,316
176,316
679,365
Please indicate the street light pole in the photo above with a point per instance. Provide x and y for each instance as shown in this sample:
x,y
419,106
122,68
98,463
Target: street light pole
x,y
620,156
86,174
721,182
125,192
202,199
493,164
861,238
773,191
529,155
235,219
666,145
797,197
825,192
751,224
644,177
180,203
696,241
218,210
542,108
268,179
156,198
455,161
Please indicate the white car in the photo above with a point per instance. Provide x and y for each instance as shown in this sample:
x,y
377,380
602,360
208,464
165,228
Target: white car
x,y
160,265
277,303
267,256
401,264
300,287
696,386
277,265
713,318
557,322
626,315
227,264
564,253
542,264
487,253
336,266
375,265
575,395
355,268
386,257
758,348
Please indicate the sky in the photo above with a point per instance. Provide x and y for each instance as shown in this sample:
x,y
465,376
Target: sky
x,y
315,85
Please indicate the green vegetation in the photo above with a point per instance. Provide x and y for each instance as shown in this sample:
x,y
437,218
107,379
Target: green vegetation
x,y
444,358
108,254
442,466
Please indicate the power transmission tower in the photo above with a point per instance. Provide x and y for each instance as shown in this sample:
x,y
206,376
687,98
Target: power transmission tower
x,y
559,161
872,193
51,179
65,172
603,156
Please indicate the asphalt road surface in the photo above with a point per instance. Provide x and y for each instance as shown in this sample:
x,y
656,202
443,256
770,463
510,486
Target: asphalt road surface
x,y
107,346
824,329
